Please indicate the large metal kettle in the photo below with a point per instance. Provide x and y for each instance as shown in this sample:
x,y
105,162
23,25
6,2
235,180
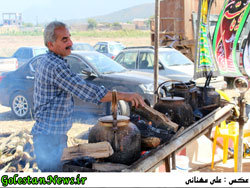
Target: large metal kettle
x,y
208,98
187,90
123,135
176,108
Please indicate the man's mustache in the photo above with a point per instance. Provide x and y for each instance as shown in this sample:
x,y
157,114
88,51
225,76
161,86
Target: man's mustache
x,y
68,47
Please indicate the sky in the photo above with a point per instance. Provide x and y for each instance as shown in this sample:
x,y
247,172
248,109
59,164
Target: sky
x,y
47,10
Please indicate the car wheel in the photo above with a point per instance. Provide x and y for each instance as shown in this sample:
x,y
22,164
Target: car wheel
x,y
20,105
122,108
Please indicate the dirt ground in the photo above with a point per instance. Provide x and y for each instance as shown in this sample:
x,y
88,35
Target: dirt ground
x,y
10,124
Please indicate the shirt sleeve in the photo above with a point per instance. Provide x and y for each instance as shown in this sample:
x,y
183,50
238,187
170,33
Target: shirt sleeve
x,y
77,86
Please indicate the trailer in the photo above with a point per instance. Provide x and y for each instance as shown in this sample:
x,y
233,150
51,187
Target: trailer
x,y
178,24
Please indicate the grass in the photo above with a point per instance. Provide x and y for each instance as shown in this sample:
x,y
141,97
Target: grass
x,y
17,32
112,33
89,33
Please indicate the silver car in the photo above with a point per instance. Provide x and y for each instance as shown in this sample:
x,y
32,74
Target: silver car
x,y
172,63
82,46
109,48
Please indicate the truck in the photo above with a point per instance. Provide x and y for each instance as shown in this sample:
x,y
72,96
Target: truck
x,y
178,24
241,45
24,54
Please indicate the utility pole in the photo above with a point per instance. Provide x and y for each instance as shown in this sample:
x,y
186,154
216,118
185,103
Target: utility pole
x,y
156,46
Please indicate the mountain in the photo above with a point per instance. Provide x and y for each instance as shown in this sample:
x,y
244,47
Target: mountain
x,y
53,10
143,11
128,14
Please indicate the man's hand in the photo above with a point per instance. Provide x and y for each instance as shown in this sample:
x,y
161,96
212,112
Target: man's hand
x,y
134,98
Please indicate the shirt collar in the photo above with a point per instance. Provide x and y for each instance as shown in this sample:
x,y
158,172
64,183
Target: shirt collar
x,y
52,53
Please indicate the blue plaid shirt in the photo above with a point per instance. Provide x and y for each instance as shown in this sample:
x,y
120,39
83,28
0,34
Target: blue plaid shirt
x,y
53,101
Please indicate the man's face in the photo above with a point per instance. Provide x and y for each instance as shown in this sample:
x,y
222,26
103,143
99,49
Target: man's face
x,y
62,45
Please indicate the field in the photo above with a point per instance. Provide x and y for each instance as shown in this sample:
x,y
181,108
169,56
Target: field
x,y
9,44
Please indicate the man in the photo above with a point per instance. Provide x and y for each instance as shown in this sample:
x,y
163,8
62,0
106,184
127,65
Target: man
x,y
53,102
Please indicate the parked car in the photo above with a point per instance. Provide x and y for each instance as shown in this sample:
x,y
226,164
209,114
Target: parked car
x,y
21,56
8,64
24,54
16,87
82,46
110,49
172,63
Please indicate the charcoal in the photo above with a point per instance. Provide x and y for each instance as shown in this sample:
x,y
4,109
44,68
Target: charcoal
x,y
148,129
82,161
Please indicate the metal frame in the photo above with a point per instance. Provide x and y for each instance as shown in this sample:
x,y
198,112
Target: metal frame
x,y
163,153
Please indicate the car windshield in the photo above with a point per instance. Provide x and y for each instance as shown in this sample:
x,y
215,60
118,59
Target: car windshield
x,y
103,64
173,58
116,47
84,47
40,51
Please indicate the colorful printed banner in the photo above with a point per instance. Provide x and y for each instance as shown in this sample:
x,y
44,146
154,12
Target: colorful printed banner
x,y
246,56
204,61
228,29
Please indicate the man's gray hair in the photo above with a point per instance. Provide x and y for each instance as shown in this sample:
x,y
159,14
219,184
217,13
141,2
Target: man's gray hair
x,y
49,31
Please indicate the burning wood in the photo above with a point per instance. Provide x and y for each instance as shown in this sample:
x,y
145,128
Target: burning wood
x,y
150,142
157,118
148,129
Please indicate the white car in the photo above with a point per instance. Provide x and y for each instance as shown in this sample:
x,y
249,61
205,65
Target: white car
x,y
82,46
172,64
109,48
